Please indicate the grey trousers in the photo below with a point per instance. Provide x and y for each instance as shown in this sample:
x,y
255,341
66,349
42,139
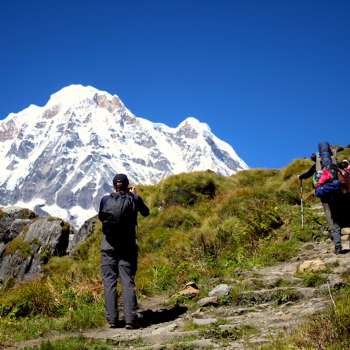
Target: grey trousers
x,y
333,225
122,265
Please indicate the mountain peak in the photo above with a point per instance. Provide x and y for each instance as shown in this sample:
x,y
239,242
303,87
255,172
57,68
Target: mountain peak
x,y
73,94
193,122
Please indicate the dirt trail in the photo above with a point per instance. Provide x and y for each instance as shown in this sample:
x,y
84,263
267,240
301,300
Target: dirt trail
x,y
274,300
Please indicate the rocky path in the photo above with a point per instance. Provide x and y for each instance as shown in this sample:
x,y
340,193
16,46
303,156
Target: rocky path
x,y
245,312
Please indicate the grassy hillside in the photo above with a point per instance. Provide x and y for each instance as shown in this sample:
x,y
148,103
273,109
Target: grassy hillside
x,y
203,227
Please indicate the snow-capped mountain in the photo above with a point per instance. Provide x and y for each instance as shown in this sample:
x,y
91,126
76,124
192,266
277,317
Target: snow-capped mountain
x,y
61,158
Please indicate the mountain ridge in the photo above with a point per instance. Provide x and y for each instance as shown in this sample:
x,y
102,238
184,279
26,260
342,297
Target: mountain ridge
x,y
61,157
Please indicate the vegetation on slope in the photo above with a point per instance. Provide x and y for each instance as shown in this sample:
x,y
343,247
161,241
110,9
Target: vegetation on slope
x,y
202,226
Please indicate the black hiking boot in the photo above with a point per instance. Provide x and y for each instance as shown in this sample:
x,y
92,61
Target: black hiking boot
x,y
118,324
132,325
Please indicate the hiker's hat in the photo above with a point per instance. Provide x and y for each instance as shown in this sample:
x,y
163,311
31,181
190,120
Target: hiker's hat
x,y
121,178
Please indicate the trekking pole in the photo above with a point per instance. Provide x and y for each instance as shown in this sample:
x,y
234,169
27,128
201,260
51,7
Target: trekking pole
x,y
302,203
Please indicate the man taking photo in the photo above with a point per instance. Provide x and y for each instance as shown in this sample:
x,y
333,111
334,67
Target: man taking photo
x,y
118,214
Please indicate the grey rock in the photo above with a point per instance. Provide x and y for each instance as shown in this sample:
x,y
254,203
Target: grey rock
x,y
204,321
14,266
84,232
208,301
28,243
342,270
8,216
24,149
223,155
336,281
51,233
2,248
15,228
220,290
39,211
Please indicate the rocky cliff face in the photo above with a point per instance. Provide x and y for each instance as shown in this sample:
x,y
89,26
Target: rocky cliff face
x,y
59,159
27,242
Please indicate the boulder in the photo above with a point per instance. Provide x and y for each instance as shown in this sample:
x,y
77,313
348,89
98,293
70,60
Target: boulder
x,y
27,242
220,290
7,217
311,266
84,232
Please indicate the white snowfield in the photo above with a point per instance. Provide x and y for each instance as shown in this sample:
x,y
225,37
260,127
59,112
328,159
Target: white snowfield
x,y
62,157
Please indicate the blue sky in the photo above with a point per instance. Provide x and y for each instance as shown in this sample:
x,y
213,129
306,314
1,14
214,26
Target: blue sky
x,y
272,78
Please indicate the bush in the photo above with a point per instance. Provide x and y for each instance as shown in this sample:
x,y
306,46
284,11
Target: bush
x,y
312,279
178,217
187,189
259,213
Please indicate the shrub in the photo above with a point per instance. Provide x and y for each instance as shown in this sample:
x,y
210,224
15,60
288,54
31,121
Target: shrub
x,y
312,279
176,216
187,189
259,212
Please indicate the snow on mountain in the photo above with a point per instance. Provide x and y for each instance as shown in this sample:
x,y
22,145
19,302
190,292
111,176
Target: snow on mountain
x,y
60,158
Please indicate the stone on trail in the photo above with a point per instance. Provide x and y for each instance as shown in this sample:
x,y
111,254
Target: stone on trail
x,y
208,301
191,290
204,321
220,290
336,282
311,266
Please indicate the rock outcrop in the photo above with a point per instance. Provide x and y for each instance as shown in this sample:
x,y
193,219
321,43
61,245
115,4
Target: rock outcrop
x,y
27,242
84,232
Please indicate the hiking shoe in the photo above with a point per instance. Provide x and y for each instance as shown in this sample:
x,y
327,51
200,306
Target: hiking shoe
x,y
133,325
118,324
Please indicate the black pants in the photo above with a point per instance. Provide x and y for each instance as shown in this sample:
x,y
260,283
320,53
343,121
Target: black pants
x,y
337,212
123,265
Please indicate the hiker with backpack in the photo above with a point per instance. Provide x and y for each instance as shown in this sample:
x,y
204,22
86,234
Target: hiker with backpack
x,y
118,214
330,189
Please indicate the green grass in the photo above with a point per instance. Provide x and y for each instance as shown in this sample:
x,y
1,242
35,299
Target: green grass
x,y
19,329
312,279
227,335
19,246
72,343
